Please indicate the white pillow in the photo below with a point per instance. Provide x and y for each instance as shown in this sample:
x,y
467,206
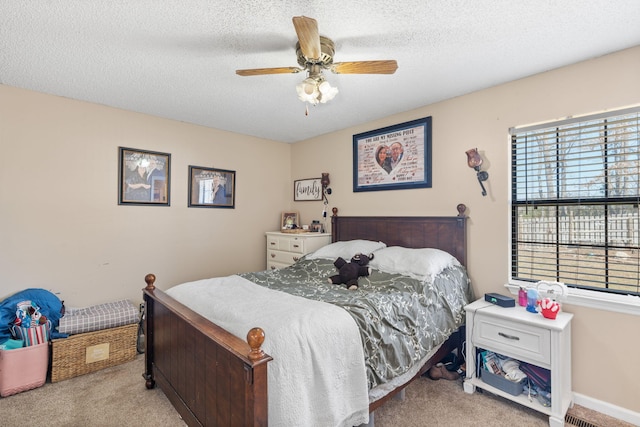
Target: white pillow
x,y
417,263
346,249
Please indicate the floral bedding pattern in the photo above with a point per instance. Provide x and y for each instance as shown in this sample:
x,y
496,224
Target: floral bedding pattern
x,y
400,318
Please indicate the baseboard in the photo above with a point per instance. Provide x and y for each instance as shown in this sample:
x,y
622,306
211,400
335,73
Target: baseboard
x,y
607,409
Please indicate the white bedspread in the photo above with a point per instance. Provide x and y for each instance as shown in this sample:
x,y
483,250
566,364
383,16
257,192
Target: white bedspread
x,y
317,376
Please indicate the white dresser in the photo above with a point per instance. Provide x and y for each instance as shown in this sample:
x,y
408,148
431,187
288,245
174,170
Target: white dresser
x,y
516,333
283,249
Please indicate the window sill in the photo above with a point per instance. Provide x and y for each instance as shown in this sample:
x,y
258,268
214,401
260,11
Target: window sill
x,y
627,304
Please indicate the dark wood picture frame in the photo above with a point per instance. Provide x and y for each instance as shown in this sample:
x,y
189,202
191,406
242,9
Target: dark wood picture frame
x,y
394,157
144,177
211,188
309,189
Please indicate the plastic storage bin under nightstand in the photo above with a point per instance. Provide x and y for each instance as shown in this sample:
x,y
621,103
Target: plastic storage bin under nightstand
x,y
499,381
23,368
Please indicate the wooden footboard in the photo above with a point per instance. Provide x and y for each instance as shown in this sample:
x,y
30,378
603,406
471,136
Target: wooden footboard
x,y
210,376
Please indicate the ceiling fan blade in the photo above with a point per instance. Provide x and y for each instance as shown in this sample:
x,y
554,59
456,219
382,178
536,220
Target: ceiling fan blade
x,y
365,67
261,71
308,36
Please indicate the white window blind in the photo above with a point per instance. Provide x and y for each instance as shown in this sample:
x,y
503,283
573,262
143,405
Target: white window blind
x,y
574,203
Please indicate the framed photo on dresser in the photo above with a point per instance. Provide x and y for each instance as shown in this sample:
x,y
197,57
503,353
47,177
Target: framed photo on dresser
x,y
290,220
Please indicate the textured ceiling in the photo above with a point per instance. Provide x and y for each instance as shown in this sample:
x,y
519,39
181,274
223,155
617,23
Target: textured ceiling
x,y
177,58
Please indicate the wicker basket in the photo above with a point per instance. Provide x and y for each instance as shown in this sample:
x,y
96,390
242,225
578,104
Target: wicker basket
x,y
84,353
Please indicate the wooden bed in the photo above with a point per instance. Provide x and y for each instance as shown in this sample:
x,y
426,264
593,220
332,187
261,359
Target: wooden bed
x,y
215,378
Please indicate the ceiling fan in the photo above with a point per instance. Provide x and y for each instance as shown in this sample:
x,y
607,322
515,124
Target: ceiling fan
x,y
315,54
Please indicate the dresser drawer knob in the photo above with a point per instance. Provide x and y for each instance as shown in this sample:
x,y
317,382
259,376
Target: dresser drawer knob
x,y
272,243
296,246
295,258
509,337
273,255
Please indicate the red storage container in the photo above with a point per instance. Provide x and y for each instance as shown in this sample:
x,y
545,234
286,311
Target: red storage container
x,y
23,368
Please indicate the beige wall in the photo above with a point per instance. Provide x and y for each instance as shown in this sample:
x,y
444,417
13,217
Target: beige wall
x,y
604,343
62,229
61,226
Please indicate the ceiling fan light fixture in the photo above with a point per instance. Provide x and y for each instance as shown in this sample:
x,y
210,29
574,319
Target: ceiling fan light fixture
x,y
310,87
315,54
315,90
308,91
327,91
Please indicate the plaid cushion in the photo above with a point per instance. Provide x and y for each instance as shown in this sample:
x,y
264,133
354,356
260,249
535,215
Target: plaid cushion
x,y
97,317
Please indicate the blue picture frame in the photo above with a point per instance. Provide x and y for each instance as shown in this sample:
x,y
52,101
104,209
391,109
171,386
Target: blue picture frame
x,y
394,157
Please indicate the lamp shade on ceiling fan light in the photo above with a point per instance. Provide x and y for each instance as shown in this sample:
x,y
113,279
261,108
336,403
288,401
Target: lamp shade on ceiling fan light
x,y
328,92
309,87
313,91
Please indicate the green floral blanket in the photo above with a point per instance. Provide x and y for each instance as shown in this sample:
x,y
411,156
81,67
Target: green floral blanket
x,y
401,319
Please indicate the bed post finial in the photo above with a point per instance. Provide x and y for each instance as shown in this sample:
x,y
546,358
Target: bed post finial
x,y
255,338
461,209
334,211
150,279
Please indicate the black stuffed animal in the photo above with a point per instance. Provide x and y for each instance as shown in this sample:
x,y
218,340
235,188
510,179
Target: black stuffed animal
x,y
348,272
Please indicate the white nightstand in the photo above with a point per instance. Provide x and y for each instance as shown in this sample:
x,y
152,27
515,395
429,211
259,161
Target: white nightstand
x,y
528,337
283,249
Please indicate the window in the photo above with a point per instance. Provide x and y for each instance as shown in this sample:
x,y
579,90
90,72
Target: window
x,y
574,202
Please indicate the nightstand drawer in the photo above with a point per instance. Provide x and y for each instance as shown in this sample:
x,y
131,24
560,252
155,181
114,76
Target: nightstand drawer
x,y
525,342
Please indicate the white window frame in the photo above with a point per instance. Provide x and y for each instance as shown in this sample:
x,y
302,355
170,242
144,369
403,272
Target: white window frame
x,y
627,304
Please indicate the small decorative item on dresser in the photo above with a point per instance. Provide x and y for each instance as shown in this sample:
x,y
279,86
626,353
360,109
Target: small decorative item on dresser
x,y
315,226
532,300
549,293
522,296
549,308
290,220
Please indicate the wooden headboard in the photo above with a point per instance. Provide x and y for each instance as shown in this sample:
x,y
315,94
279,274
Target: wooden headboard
x,y
440,232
